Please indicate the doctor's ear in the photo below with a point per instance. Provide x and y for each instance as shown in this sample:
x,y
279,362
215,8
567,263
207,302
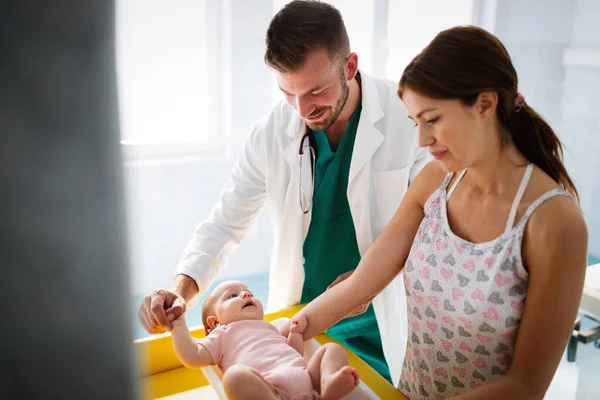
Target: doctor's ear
x,y
351,66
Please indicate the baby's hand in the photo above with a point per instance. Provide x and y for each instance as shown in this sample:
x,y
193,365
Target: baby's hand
x,y
298,324
179,321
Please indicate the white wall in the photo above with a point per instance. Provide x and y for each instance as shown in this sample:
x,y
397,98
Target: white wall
x,y
538,34
580,110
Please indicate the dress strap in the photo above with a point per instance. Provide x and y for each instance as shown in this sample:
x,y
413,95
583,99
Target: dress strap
x,y
518,197
455,184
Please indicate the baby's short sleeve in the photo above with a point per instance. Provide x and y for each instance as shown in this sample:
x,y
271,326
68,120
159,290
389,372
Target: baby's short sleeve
x,y
215,343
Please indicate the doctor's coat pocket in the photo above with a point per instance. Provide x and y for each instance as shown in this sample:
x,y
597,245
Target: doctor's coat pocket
x,y
390,187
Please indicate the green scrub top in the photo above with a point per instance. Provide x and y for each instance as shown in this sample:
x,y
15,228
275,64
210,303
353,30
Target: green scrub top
x,y
330,248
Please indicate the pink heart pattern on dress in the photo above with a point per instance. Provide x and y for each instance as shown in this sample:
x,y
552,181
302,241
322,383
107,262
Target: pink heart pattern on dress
x,y
465,322
479,362
418,299
446,345
483,339
457,293
420,255
462,372
447,273
415,325
424,272
435,226
425,378
440,372
491,313
469,266
427,353
490,261
465,347
517,305
477,295
440,245
501,280
448,320
434,300
459,249
433,327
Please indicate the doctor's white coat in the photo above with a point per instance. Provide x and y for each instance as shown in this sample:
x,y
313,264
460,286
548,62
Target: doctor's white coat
x,y
385,159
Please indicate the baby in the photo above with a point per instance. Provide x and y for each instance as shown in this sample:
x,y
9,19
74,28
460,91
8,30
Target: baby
x,y
257,362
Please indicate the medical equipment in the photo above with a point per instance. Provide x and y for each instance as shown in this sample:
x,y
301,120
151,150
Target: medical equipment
x,y
313,157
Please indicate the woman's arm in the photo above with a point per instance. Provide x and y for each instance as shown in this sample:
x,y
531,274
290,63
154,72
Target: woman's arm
x,y
381,263
190,353
555,252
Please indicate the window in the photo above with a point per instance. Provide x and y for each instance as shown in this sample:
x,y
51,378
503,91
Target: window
x,y
387,34
170,67
412,24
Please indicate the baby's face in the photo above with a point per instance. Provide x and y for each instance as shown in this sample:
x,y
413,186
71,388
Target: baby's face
x,y
234,302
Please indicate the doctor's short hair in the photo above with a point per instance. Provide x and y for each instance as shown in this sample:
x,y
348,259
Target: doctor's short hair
x,y
302,27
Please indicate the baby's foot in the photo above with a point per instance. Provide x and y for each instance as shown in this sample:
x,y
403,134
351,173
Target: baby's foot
x,y
339,383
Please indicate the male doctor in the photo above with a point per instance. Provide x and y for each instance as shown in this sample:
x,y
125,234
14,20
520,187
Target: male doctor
x,y
327,212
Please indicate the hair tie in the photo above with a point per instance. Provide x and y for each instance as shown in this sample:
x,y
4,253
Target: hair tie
x,y
519,101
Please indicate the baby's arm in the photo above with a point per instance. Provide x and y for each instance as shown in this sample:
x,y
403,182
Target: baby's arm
x,y
295,339
190,353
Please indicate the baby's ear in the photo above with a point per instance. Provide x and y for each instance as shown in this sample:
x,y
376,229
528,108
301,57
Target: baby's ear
x,y
211,323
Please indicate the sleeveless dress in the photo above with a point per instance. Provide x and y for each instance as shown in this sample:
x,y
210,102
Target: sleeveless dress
x,y
464,300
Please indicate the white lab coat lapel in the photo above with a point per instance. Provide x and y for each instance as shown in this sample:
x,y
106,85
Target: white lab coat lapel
x,y
368,139
287,269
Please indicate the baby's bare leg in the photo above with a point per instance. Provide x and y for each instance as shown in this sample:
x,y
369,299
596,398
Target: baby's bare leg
x,y
245,383
330,374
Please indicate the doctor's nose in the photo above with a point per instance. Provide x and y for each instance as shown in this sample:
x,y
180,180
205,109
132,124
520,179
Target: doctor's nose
x,y
304,107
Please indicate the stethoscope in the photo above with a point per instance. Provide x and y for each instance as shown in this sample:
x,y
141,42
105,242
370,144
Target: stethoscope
x,y
313,156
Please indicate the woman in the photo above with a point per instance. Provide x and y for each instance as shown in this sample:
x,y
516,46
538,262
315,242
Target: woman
x,y
490,235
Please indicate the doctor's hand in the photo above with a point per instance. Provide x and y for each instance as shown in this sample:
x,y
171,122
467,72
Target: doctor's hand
x,y
360,309
159,309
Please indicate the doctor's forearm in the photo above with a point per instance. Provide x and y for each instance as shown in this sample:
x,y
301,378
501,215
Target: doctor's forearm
x,y
184,286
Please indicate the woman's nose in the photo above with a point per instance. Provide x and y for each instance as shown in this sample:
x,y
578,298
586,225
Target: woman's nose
x,y
425,139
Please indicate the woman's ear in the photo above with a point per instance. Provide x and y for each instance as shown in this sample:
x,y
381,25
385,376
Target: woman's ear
x,y
486,104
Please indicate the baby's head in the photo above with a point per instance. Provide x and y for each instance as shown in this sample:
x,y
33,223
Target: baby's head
x,y
231,301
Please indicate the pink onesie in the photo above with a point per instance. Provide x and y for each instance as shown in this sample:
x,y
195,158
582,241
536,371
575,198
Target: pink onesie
x,y
258,344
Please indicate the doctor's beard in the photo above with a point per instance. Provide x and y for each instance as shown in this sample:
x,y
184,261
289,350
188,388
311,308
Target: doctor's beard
x,y
339,106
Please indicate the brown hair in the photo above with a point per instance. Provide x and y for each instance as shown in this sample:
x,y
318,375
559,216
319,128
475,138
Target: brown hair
x,y
301,27
464,61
